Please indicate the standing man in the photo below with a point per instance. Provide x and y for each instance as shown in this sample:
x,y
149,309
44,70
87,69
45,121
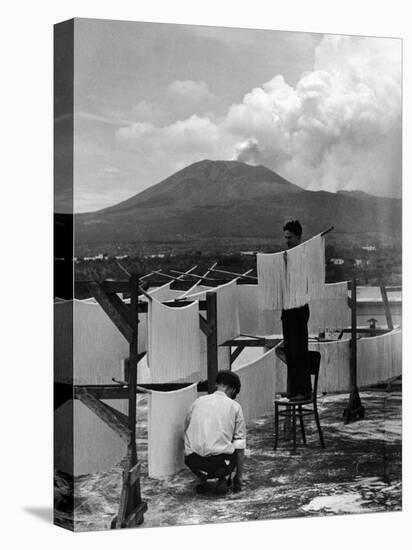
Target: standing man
x,y
215,435
295,332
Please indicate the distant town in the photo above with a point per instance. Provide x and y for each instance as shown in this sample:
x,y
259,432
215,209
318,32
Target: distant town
x,y
371,263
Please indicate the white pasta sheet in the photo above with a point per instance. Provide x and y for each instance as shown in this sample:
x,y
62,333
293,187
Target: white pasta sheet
x,y
334,372
166,417
331,310
258,386
163,293
99,348
291,278
247,296
270,322
96,447
173,342
379,358
228,326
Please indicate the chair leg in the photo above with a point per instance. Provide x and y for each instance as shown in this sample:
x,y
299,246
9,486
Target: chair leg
x,y
302,427
275,446
315,411
294,428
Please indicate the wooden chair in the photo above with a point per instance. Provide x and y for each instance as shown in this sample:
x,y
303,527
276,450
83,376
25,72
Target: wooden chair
x,y
291,409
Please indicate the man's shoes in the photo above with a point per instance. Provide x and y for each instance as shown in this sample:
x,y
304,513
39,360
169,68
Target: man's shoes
x,y
201,488
237,485
221,487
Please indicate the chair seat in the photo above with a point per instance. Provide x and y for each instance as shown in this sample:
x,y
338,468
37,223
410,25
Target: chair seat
x,y
285,402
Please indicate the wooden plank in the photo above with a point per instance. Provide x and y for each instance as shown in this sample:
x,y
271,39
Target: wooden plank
x,y
235,354
107,306
102,391
61,394
353,357
363,330
255,343
114,287
204,326
212,361
130,499
327,231
121,307
242,276
193,275
134,474
386,306
136,517
115,391
105,413
354,410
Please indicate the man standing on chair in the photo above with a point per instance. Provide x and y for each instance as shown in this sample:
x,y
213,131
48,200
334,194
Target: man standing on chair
x,y
295,332
215,436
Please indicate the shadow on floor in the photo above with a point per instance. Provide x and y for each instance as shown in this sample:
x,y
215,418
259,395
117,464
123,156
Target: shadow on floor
x,y
41,512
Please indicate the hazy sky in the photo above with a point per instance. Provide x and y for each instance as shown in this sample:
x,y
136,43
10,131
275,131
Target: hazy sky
x,y
324,111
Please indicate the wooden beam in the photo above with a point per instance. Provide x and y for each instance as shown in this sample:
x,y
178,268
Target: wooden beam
x,y
134,474
200,277
354,410
122,308
105,413
100,294
236,274
212,361
260,342
386,306
204,326
122,268
331,228
130,498
116,391
113,287
364,330
255,343
61,394
136,517
160,272
235,354
197,283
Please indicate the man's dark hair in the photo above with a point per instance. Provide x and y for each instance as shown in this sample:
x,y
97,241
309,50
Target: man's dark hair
x,y
294,227
228,378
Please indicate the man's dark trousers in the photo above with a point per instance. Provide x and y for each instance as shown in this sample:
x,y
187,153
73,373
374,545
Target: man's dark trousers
x,y
295,336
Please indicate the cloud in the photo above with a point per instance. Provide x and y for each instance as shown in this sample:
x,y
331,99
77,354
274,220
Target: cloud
x,y
188,90
339,127
177,144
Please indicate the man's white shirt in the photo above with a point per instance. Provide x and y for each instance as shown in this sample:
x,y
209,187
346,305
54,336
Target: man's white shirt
x,y
214,425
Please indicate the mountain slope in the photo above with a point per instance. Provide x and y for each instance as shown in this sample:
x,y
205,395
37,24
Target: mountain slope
x,y
224,199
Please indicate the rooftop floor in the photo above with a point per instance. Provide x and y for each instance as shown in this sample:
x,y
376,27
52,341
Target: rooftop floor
x,y
359,471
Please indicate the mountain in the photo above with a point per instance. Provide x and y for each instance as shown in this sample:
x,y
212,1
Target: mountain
x,y
230,199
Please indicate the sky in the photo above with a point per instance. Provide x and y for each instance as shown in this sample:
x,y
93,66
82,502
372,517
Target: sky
x,y
323,111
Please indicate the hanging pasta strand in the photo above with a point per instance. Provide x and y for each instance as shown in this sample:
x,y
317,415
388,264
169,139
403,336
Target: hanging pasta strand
x,y
291,278
173,342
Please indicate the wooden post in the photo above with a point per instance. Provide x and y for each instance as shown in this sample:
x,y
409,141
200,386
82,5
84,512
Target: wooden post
x,y
354,410
132,507
212,365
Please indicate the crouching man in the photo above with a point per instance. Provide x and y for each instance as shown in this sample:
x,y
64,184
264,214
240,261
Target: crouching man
x,y
215,436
